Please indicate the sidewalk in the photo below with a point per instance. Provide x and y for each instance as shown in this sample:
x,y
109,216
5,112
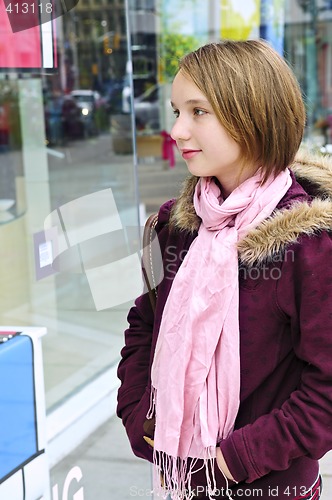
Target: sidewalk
x,y
326,471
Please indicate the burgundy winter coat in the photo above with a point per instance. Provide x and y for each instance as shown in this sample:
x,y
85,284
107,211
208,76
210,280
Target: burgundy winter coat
x,y
284,424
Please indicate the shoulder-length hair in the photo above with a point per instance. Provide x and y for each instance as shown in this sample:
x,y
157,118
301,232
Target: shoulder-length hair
x,y
255,96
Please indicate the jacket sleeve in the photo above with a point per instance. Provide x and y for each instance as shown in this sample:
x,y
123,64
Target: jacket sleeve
x,y
133,372
302,426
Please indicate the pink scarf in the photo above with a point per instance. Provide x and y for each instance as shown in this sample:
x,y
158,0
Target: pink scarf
x,y
196,368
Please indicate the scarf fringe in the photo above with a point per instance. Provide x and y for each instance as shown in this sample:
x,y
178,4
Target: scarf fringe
x,y
172,476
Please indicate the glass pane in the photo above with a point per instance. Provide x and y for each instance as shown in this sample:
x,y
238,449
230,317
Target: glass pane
x,y
69,208
58,144
85,154
67,183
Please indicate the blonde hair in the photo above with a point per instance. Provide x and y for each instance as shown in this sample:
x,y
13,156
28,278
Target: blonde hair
x,y
255,96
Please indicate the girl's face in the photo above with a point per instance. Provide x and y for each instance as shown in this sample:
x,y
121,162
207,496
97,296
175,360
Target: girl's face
x,y
203,142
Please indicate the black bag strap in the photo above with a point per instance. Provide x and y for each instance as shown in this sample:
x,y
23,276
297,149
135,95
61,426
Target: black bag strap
x,y
148,270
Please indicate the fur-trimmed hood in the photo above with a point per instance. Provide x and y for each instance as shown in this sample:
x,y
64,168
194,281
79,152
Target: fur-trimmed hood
x,y
284,226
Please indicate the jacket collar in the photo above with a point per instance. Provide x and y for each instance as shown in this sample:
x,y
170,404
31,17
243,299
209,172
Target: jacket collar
x,y
304,210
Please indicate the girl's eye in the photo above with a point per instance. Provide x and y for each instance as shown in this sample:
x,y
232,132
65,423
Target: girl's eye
x,y
199,112
176,113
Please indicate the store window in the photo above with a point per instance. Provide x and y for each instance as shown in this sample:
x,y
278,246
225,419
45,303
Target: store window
x,y
61,175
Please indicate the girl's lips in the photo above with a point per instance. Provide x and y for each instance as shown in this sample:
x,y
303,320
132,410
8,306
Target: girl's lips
x,y
187,154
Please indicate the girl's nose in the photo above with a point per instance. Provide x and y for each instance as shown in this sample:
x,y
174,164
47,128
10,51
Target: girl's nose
x,y
180,130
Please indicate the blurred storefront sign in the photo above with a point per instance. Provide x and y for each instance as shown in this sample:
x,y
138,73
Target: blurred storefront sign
x,y
272,23
29,42
240,20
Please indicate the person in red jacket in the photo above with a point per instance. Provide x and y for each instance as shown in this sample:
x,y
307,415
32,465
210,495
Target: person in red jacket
x,y
227,386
